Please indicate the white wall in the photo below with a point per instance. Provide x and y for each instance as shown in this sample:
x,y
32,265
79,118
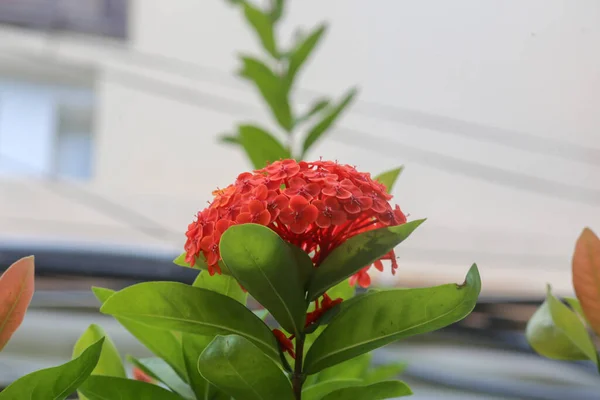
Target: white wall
x,y
510,69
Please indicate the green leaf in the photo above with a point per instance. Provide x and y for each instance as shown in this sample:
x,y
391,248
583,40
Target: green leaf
x,y
301,53
230,139
375,391
576,306
200,264
557,332
222,284
378,318
342,290
180,307
164,344
110,363
102,294
334,112
321,389
271,87
261,147
108,387
242,370
55,383
388,178
260,260
356,252
354,368
314,109
277,10
159,370
263,26
193,346
384,372
303,264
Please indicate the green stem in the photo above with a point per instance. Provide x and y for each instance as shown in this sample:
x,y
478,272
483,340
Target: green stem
x,y
297,376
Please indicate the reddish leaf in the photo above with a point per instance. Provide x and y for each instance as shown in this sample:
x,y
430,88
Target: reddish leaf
x,y
16,290
586,276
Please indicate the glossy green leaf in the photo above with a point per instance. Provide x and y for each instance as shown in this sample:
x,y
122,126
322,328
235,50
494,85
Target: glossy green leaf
x,y
557,332
56,383
303,265
384,372
317,107
354,368
261,147
200,264
378,318
239,368
576,306
263,26
375,391
159,370
388,178
356,252
321,389
110,363
261,261
301,53
180,307
328,120
193,346
109,388
164,344
271,87
222,284
102,294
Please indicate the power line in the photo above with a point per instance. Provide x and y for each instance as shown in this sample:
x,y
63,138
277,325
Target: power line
x,y
429,158
459,127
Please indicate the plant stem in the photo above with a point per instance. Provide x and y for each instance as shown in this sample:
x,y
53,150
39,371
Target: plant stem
x,y
297,376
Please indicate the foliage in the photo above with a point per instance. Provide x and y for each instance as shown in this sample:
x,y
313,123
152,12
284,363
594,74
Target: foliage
x,y
16,291
296,236
560,330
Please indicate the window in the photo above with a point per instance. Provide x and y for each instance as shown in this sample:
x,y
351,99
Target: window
x,y
45,130
96,17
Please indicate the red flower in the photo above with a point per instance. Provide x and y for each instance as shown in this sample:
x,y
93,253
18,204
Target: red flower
x,y
285,344
314,205
362,277
276,203
329,212
326,305
299,215
282,169
140,375
255,212
357,202
298,186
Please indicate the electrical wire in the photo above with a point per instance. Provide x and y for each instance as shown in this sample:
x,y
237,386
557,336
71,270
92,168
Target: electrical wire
x,y
454,126
226,106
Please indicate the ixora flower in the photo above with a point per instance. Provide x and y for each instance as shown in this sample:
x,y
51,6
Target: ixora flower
x,y
314,205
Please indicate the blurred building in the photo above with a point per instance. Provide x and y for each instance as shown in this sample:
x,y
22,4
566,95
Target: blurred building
x,y
110,112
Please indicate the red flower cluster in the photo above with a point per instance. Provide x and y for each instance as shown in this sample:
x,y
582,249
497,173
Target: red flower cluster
x,y
313,205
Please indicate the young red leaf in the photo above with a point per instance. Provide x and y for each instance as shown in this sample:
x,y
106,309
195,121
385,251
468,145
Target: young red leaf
x,y
586,276
16,290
